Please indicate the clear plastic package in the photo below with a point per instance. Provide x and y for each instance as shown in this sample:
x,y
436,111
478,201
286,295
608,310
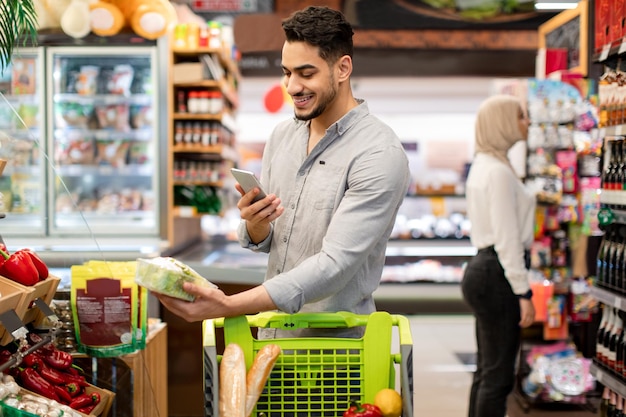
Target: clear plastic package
x,y
166,275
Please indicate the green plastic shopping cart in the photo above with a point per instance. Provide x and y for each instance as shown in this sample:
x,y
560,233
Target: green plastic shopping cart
x,y
317,376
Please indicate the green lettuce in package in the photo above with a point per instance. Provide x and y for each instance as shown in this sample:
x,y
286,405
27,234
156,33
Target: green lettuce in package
x,y
166,275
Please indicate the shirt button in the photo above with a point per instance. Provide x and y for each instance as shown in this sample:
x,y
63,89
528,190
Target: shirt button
x,y
293,206
285,239
277,271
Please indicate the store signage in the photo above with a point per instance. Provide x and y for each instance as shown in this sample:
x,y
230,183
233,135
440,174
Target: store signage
x,y
242,6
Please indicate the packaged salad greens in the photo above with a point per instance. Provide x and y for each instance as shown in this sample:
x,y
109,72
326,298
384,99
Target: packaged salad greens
x,y
166,275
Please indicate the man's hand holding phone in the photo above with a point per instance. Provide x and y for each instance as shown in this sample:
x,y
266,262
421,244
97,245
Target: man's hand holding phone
x,y
257,215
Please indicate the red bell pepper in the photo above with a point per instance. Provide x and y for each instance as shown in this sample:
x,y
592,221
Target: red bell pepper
x,y
19,267
362,410
42,268
85,400
33,381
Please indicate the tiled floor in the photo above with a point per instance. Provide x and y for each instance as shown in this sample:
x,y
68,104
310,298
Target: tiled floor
x,y
441,379
444,359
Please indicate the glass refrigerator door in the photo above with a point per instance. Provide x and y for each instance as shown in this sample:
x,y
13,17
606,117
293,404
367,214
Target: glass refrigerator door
x,y
104,141
22,183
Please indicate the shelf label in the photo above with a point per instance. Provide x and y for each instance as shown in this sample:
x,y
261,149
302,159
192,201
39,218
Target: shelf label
x,y
605,52
618,303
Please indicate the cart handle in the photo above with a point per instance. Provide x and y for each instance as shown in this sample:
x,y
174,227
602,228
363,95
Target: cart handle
x,y
341,319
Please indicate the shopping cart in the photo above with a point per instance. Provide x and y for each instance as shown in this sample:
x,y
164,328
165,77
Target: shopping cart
x,y
317,376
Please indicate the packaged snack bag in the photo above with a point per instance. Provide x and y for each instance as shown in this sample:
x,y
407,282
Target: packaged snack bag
x,y
109,311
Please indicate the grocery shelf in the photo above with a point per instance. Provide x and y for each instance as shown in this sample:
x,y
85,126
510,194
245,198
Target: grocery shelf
x,y
609,298
608,379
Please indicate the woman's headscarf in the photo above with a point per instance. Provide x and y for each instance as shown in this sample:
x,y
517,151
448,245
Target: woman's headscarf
x,y
497,126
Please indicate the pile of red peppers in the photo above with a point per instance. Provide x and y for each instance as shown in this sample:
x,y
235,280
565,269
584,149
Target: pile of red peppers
x,y
22,266
357,409
49,373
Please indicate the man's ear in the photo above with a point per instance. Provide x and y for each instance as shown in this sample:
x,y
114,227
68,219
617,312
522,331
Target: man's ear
x,y
344,68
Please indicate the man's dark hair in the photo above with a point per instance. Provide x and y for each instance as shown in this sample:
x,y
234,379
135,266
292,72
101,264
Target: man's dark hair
x,y
323,27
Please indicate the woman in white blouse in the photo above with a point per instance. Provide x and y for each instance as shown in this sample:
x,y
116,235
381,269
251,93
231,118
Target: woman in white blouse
x,y
495,283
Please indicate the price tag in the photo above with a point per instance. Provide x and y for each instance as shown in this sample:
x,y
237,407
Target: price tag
x,y
622,46
605,52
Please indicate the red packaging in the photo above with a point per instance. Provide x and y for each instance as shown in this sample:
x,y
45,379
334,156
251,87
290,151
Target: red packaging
x,y
602,23
616,21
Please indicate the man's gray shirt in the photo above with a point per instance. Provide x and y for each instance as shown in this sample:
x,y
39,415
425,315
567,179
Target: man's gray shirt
x,y
327,250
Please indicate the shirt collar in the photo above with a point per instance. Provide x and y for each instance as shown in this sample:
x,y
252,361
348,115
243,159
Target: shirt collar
x,y
348,119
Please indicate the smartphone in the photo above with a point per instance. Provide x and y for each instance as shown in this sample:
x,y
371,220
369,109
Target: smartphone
x,y
248,181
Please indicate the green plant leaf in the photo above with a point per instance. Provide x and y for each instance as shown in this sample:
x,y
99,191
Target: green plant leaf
x,y
18,20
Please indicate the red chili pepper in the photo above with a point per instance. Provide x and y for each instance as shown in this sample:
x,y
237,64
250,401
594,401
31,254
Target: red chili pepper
x,y
58,359
5,355
73,389
33,381
63,394
32,360
85,400
87,410
51,375
362,410
42,268
78,380
19,267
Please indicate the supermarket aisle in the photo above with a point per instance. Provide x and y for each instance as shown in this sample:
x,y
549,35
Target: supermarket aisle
x,y
444,359
441,347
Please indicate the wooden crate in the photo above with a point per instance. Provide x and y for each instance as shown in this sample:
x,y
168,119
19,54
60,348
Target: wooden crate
x,y
45,290
11,297
101,410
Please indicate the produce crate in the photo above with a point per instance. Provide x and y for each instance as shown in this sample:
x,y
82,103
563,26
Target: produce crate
x,y
101,410
317,376
45,290
10,299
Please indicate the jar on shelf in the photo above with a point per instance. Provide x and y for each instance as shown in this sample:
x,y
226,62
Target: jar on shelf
x,y
204,102
215,35
193,102
217,102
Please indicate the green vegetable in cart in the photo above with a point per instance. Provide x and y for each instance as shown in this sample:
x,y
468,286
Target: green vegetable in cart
x,y
166,275
362,410
19,267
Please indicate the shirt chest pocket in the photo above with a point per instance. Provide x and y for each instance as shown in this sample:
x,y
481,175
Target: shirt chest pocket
x,y
324,186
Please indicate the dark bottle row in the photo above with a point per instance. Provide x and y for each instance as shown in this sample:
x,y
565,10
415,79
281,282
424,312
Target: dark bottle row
x,y
611,260
614,174
610,343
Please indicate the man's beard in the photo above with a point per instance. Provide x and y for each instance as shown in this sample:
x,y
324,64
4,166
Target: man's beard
x,y
326,99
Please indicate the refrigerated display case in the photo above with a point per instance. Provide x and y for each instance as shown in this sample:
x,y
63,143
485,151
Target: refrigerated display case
x,y
22,137
103,141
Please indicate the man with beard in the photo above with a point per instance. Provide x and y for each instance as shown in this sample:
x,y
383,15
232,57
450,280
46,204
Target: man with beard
x,y
335,177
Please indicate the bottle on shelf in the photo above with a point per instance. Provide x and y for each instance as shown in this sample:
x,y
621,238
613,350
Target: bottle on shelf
x,y
613,341
618,260
604,404
610,412
607,337
601,329
601,260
